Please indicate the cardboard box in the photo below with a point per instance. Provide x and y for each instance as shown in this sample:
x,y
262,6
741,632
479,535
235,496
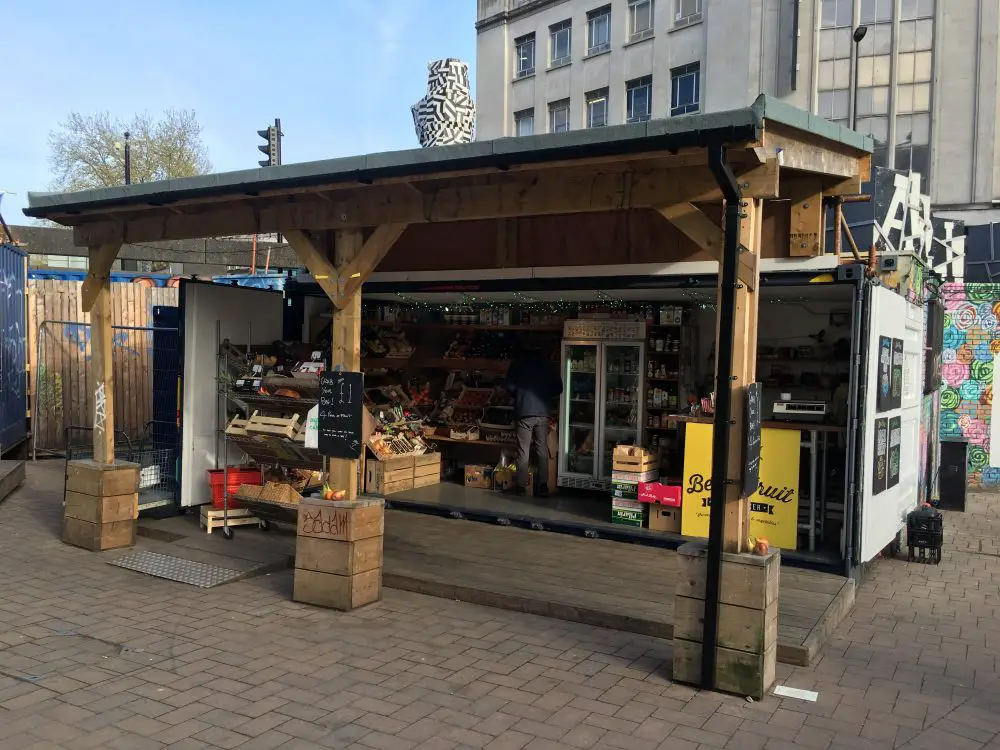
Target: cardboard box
x,y
665,518
627,513
624,490
479,476
662,494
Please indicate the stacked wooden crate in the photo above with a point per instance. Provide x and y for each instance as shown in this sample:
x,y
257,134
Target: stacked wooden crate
x,y
102,504
631,465
338,552
391,475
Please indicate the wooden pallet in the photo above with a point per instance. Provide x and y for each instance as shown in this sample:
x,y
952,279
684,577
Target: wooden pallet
x,y
214,519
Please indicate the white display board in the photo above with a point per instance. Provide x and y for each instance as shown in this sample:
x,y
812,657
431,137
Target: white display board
x,y
890,473
210,310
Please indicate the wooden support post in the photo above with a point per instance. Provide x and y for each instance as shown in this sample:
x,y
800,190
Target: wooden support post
x,y
99,296
805,237
346,355
744,372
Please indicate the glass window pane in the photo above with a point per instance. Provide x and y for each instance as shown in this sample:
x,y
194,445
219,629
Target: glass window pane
x,y
908,10
922,66
922,97
920,162
825,104
826,75
904,99
925,8
880,75
640,16
882,34
866,67
924,37
864,102
880,100
841,103
879,128
829,14
921,125
907,35
827,44
904,72
842,74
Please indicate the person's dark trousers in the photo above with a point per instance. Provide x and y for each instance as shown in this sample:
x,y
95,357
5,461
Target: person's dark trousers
x,y
533,438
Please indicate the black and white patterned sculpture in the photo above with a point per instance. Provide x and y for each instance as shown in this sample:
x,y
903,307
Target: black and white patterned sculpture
x,y
447,114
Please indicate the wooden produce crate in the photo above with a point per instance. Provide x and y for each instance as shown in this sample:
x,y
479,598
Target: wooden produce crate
x,y
388,476
286,427
426,470
634,460
237,426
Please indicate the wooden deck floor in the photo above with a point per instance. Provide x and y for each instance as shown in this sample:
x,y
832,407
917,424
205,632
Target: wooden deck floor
x,y
598,582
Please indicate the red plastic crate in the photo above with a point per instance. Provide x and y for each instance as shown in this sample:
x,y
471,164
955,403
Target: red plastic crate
x,y
237,476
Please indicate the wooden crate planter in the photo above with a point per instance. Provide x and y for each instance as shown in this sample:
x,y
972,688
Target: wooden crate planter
x,y
102,505
746,657
426,470
338,553
389,476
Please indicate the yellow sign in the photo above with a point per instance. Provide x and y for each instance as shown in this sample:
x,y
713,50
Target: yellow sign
x,y
774,508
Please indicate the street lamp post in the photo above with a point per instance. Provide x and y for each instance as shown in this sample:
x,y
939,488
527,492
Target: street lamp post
x,y
128,159
859,34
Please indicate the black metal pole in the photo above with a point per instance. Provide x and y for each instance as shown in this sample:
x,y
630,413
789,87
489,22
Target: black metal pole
x,y
128,159
723,408
277,155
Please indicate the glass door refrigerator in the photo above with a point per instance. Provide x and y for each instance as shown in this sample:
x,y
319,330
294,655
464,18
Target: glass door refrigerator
x,y
603,366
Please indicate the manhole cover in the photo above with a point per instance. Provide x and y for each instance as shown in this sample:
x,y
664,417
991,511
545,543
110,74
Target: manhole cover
x,y
177,569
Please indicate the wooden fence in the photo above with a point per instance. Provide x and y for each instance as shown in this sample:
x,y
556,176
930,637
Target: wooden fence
x,y
61,389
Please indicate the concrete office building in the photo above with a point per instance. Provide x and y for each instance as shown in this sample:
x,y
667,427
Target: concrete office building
x,y
926,74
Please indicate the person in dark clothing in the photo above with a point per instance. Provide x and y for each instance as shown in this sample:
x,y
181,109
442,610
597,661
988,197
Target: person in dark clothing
x,y
534,383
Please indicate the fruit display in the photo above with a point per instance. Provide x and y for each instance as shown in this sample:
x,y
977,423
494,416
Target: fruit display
x,y
474,398
331,494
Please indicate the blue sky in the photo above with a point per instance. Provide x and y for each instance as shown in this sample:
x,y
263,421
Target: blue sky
x,y
341,74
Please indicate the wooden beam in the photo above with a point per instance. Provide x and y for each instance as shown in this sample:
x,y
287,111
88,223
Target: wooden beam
x,y
809,153
507,243
100,260
359,269
101,344
743,372
805,237
697,227
516,196
346,354
850,186
312,258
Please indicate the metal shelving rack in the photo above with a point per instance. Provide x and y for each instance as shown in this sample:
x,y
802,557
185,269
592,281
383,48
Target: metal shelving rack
x,y
262,452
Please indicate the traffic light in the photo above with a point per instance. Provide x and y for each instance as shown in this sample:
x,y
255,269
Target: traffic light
x,y
271,149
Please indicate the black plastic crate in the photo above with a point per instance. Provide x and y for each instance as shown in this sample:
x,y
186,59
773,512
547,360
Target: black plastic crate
x,y
924,555
925,539
925,519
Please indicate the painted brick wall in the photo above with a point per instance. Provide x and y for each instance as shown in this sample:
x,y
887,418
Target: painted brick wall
x,y
969,356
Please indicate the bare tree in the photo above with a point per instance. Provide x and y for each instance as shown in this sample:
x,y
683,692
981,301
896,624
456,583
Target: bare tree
x,y
88,151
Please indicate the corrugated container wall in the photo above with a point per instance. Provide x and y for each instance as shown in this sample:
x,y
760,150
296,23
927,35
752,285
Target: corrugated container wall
x,y
13,382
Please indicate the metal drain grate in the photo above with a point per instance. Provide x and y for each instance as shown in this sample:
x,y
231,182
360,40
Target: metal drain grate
x,y
177,569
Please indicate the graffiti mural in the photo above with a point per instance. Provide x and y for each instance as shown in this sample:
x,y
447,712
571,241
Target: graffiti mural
x,y
970,351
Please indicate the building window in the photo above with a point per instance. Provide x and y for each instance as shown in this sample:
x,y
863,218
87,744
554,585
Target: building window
x,y
913,9
524,55
559,116
560,43
640,19
687,12
599,30
685,90
639,99
835,47
597,108
524,122
876,11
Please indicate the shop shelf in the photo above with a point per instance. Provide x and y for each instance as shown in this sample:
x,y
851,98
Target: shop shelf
x,y
462,326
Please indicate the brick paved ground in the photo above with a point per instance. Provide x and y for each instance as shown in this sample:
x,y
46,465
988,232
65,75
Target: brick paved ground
x,y
92,656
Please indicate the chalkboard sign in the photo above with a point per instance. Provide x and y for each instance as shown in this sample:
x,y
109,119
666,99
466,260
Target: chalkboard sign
x,y
341,412
751,449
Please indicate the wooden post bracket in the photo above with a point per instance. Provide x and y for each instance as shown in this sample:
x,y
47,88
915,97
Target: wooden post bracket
x,y
341,283
697,227
100,260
